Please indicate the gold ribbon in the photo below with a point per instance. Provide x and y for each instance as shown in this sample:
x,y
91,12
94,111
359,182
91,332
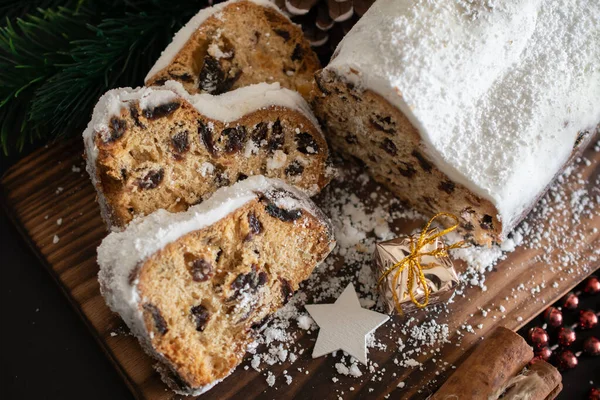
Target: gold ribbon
x,y
413,261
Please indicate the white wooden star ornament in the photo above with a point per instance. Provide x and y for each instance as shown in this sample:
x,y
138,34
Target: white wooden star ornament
x,y
344,325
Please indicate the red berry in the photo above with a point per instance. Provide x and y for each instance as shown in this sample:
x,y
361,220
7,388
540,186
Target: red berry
x,y
571,301
566,360
591,346
542,354
591,285
553,317
587,319
538,337
566,336
594,394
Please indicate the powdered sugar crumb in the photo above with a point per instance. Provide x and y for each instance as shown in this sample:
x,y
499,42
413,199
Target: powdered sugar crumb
x,y
359,222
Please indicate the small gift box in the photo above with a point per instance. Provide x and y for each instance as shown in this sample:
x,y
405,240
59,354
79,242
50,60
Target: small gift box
x,y
415,270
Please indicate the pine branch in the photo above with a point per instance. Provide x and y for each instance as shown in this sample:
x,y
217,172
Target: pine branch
x,y
55,63
30,50
18,8
120,54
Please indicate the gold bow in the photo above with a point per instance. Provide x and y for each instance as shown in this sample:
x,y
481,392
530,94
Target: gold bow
x,y
413,260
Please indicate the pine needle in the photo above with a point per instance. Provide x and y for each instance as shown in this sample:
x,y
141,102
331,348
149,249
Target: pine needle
x,y
55,62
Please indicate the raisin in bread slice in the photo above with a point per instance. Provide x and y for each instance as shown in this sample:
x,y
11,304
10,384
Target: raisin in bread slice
x,y
194,287
236,44
151,148
451,118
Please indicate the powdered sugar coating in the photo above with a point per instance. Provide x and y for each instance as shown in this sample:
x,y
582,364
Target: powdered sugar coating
x,y
182,36
120,253
226,107
497,89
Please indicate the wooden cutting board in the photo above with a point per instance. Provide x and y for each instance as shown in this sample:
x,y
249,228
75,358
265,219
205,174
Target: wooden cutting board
x,y
51,185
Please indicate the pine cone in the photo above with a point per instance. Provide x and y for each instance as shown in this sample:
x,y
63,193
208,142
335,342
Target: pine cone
x,y
325,22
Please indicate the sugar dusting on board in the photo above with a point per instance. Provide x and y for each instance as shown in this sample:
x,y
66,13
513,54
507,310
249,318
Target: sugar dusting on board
x,y
418,340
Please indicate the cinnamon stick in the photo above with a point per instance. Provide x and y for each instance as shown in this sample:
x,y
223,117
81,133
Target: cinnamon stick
x,y
541,381
497,359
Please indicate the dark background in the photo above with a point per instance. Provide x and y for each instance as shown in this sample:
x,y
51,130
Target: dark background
x,y
48,353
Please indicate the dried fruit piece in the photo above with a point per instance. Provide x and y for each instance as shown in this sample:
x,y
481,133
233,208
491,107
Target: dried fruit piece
x,y
306,143
221,177
262,279
134,273
201,270
422,161
206,137
286,290
239,282
180,142
235,138
378,123
277,139
159,322
229,81
407,169
351,139
250,281
281,213
211,75
389,147
447,186
162,110
295,168
254,225
298,53
321,86
117,128
185,77
487,222
135,115
283,33
279,193
151,180
201,316
259,134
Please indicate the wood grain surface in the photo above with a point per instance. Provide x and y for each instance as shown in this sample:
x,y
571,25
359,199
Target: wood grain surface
x,y
52,184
